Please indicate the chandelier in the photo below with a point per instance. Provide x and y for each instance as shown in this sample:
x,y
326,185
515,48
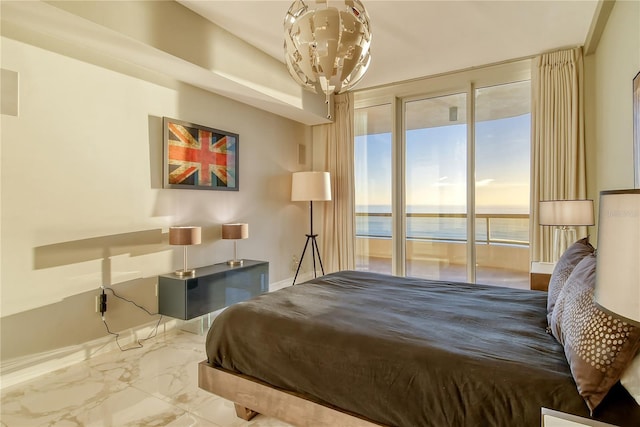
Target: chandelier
x,y
327,48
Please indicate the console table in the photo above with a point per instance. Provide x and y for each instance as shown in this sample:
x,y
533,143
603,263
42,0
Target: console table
x,y
211,288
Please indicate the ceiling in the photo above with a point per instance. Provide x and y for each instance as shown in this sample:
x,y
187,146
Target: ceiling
x,y
235,48
413,39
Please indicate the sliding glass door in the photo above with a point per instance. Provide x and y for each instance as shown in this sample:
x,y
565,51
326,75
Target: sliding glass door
x,y
502,169
436,187
373,180
442,182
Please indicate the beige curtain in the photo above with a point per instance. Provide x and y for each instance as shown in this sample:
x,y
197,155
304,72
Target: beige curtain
x,y
557,139
338,247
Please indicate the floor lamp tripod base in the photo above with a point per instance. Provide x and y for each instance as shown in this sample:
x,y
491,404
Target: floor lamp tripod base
x,y
314,251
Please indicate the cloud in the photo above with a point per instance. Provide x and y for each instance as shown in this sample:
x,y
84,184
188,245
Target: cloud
x,y
484,182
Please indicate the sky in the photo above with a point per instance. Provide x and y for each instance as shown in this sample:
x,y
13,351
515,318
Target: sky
x,y
436,167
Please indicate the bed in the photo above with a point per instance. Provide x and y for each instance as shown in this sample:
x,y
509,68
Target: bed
x,y
364,349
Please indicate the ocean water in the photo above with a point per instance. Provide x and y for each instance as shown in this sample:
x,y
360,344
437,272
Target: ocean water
x,y
442,228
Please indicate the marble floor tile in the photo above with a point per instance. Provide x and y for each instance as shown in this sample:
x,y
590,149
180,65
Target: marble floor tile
x,y
155,385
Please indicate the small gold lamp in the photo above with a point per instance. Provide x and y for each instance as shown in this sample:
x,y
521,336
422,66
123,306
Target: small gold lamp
x,y
235,232
185,236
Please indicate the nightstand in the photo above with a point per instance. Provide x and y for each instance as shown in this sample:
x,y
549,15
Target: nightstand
x,y
551,418
540,275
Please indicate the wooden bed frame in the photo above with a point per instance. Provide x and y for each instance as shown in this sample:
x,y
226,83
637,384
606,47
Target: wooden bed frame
x,y
252,397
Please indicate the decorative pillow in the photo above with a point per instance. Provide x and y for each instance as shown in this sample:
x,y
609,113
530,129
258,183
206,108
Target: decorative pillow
x,y
598,346
565,265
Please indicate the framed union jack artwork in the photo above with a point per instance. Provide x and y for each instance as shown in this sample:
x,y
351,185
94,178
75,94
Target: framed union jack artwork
x,y
198,157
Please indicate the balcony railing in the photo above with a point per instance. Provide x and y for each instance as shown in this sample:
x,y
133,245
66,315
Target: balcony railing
x,y
436,246
494,228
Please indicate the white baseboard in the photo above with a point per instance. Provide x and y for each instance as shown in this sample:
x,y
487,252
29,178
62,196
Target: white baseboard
x,y
22,369
25,368
288,282
279,285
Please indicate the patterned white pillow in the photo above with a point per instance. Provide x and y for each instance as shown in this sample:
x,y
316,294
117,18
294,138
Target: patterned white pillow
x,y
561,272
598,346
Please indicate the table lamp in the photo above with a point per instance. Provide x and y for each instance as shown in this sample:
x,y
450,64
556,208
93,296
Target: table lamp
x,y
310,186
185,236
565,215
618,254
235,232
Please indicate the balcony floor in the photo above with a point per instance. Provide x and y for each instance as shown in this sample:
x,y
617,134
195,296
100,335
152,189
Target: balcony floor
x,y
452,272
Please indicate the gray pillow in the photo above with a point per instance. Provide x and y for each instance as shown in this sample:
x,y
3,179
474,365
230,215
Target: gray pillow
x,y
598,346
565,265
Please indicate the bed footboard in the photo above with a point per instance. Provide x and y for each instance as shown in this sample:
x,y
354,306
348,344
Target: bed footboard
x,y
252,397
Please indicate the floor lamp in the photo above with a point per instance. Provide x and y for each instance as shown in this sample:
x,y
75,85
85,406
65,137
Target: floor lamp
x,y
310,186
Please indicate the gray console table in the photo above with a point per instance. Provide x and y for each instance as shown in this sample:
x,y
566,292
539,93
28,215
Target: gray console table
x,y
211,288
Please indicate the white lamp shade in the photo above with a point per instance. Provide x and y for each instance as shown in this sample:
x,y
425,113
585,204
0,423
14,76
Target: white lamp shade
x,y
235,231
566,212
188,235
618,253
310,186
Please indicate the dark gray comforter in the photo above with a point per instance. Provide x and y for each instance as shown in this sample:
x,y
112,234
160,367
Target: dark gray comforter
x,y
408,352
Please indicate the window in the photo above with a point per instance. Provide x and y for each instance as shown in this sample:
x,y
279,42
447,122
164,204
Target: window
x,y
502,165
373,179
442,192
436,187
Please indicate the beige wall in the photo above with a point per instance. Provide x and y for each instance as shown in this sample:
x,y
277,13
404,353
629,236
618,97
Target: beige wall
x,y
609,74
82,199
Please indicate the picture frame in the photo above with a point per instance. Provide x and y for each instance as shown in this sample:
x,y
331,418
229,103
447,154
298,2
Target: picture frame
x,y
636,130
197,157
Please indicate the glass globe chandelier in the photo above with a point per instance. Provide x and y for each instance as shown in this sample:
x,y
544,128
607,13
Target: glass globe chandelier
x,y
327,48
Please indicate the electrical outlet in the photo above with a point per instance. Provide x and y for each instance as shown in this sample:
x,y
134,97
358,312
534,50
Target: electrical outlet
x,y
101,303
294,263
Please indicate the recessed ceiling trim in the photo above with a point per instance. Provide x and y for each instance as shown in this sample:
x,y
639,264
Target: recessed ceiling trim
x,y
600,18
75,25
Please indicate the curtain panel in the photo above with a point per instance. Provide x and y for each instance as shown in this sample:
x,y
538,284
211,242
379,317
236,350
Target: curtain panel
x,y
338,246
557,139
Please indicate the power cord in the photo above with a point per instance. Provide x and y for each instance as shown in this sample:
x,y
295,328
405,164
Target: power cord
x,y
152,334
